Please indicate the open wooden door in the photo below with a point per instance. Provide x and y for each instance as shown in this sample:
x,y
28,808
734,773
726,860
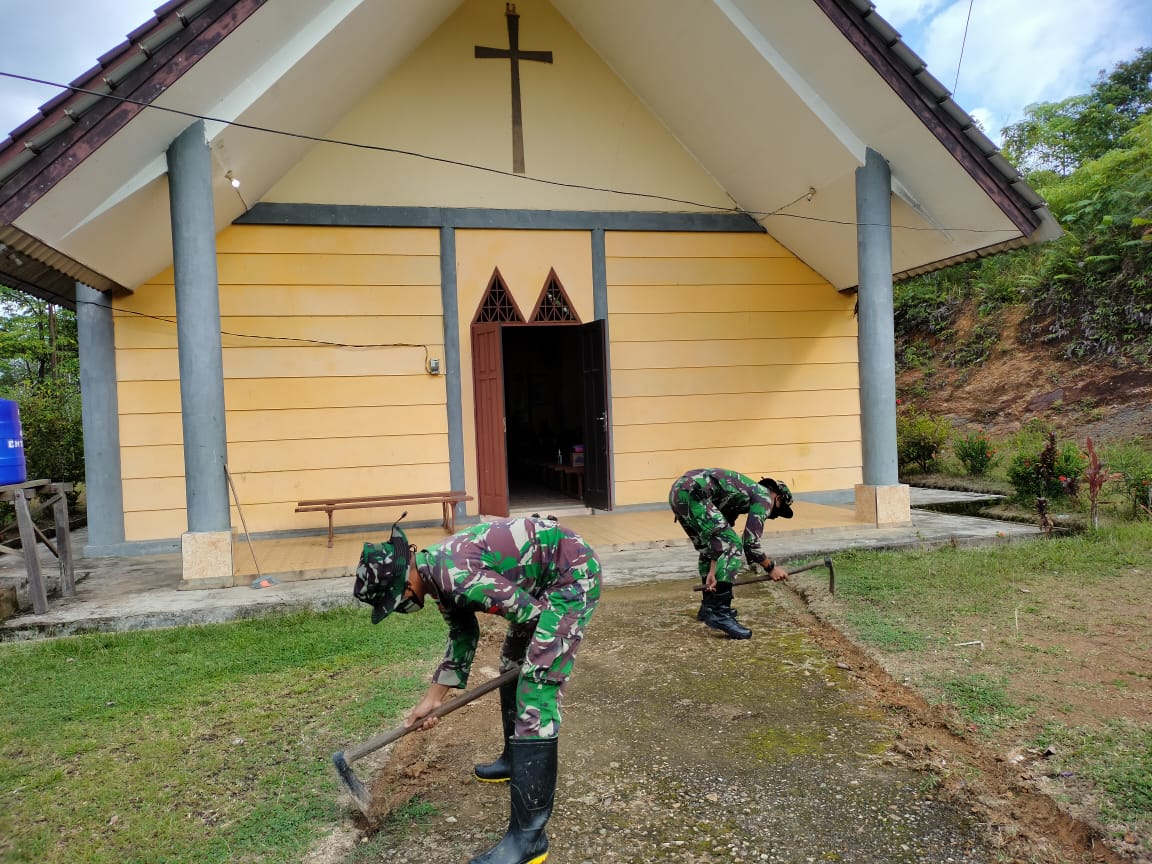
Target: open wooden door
x,y
597,456
488,393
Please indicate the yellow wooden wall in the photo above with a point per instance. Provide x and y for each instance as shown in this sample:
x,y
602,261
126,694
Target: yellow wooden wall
x,y
304,420
727,351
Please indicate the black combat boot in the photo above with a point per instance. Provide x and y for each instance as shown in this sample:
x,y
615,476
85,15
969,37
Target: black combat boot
x,y
707,602
533,792
721,616
499,770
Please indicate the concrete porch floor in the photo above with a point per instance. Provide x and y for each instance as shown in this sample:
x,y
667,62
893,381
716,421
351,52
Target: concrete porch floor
x,y
143,592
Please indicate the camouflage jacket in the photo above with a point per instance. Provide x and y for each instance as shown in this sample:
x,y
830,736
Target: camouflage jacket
x,y
507,567
733,494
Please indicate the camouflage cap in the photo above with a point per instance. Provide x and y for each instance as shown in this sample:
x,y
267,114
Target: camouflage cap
x,y
784,506
382,574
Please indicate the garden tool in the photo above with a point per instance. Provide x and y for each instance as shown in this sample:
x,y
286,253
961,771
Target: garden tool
x,y
343,759
827,562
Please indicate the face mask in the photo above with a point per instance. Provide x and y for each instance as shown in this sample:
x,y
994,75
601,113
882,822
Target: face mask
x,y
409,603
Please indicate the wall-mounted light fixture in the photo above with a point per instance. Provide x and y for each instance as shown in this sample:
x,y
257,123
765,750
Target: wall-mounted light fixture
x,y
233,179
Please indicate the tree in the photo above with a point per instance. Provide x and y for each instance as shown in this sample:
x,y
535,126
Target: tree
x,y
40,371
1062,136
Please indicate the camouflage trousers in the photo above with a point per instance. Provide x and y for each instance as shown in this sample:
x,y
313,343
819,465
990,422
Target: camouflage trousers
x,y
545,650
709,531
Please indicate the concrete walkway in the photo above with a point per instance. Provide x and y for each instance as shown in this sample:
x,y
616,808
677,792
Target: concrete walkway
x,y
115,594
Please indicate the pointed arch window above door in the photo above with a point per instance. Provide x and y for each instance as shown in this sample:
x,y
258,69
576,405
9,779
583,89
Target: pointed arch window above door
x,y
498,305
554,304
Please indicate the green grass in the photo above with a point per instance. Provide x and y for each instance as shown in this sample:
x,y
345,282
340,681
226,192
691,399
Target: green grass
x,y
981,700
980,630
1116,757
198,744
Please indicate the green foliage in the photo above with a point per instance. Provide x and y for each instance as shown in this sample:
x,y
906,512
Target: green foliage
x,y
1097,297
1134,465
53,432
37,340
975,453
920,438
1053,471
929,304
40,371
1062,136
1088,294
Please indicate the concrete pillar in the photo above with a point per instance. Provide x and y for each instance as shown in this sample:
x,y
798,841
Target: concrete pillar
x,y
881,498
207,547
450,304
599,276
101,417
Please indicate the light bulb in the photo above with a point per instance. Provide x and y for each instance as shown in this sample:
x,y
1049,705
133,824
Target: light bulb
x,y
235,181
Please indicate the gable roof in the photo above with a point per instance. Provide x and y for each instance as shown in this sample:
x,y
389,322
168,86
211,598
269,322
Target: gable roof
x,y
778,102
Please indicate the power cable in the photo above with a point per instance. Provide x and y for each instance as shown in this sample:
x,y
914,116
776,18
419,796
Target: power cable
x,y
963,42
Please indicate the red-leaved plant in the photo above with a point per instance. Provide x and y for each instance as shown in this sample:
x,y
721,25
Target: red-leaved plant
x,y
1095,476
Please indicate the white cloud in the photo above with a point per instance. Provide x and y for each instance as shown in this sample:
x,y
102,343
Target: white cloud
x,y
1019,52
57,40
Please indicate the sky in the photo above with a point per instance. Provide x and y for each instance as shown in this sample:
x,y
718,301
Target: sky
x,y
1017,52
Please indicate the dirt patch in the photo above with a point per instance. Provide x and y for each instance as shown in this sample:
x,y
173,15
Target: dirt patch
x,y
1022,379
679,745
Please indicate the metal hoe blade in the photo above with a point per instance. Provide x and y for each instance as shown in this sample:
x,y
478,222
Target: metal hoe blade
x,y
343,759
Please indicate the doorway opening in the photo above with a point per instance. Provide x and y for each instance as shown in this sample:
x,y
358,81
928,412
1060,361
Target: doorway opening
x,y
545,416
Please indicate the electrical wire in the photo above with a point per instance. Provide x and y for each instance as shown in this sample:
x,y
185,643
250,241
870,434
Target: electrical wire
x,y
963,42
755,214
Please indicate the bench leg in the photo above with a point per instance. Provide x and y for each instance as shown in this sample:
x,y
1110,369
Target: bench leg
x,y
330,531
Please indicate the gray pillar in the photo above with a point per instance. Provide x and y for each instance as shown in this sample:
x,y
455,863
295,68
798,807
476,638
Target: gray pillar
x,y
101,413
198,330
877,344
450,305
599,276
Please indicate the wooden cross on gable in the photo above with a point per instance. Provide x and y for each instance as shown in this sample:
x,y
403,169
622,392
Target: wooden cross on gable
x,y
514,54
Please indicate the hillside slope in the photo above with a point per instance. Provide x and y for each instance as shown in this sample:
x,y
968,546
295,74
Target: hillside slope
x,y
1021,379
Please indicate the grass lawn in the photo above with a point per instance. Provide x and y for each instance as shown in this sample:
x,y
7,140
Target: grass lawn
x,y
196,744
213,744
1040,648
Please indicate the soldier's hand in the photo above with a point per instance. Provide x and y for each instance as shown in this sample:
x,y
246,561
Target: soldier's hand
x,y
710,582
778,574
418,716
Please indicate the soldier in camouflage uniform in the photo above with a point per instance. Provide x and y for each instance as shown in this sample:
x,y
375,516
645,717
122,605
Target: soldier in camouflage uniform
x,y
706,502
545,580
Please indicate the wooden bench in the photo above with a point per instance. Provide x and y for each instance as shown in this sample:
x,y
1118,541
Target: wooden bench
x,y
329,505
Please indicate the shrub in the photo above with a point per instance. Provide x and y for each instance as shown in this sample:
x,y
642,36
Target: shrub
x,y
1134,465
920,437
976,453
53,433
1053,472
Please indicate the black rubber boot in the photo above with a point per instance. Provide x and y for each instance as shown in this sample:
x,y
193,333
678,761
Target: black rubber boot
x,y
499,770
533,792
721,616
707,602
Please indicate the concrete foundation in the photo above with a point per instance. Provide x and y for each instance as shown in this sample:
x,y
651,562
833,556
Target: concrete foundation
x,y
206,560
884,506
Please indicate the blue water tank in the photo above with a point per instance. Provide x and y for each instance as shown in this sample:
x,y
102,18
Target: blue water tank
x,y
12,466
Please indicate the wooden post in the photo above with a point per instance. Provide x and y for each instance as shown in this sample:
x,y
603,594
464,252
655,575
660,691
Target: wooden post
x,y
31,554
63,540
